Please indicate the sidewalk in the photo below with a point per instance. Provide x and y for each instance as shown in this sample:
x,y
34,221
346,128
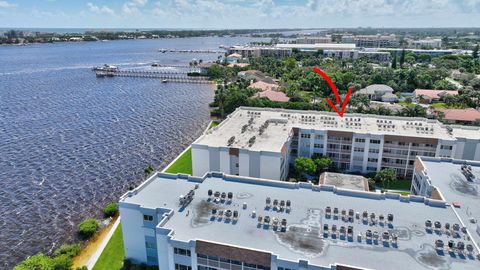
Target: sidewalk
x,y
89,255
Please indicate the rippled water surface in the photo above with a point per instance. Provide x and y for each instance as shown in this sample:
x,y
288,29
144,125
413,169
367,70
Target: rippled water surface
x,y
71,142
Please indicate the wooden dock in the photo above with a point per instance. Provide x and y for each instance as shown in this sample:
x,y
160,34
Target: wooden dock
x,y
167,76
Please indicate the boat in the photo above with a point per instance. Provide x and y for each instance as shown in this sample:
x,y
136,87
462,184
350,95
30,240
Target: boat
x,y
156,65
107,68
164,81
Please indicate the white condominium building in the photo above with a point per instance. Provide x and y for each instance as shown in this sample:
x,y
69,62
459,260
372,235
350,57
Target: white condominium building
x,y
263,142
224,222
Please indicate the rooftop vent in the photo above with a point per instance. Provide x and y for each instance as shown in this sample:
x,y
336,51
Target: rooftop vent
x,y
251,141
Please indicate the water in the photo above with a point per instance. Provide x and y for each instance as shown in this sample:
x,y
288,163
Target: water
x,y
71,142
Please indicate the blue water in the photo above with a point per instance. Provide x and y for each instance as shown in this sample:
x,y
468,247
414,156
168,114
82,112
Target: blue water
x,y
71,142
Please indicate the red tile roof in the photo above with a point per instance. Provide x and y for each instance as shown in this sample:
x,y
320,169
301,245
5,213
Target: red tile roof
x,y
434,94
264,86
274,95
467,115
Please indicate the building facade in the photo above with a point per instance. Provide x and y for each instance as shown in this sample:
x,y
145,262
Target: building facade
x,y
259,51
223,222
264,143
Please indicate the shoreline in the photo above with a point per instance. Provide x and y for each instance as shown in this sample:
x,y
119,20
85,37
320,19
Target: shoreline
x,y
93,249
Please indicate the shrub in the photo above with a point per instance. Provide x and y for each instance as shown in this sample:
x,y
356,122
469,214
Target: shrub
x,y
87,228
110,209
127,264
82,268
69,250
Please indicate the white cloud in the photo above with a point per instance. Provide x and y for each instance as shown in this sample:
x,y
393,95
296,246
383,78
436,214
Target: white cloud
x,y
133,6
5,4
100,10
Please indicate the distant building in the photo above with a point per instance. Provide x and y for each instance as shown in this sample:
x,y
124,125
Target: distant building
x,y
259,51
341,54
233,58
273,95
314,40
379,92
264,86
372,41
427,96
425,43
252,75
374,55
468,116
317,47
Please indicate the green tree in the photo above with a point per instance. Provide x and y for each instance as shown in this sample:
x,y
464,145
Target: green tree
x,y
110,209
148,170
39,261
322,163
394,60
305,165
475,52
402,58
360,101
87,228
385,176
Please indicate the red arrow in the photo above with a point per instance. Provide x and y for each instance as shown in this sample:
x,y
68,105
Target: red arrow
x,y
335,91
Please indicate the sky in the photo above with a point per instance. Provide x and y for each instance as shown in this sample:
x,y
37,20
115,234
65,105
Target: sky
x,y
223,14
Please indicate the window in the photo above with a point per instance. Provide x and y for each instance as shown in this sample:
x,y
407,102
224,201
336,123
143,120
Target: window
x,y
346,147
415,144
303,135
201,256
359,158
375,141
149,245
371,169
359,140
181,251
284,268
372,159
147,217
358,149
182,267
151,259
446,147
317,145
319,137
372,150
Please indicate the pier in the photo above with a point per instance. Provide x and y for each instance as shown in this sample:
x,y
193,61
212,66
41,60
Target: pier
x,y
163,75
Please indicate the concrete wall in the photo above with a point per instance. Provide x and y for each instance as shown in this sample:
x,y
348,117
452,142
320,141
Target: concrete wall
x,y
200,160
133,232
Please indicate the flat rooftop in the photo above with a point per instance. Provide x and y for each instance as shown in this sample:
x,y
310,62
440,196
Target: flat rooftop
x,y
346,181
282,121
304,238
318,46
453,186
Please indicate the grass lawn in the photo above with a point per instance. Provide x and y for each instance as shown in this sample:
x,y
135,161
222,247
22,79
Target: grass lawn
x,y
214,124
113,254
183,163
404,193
399,184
